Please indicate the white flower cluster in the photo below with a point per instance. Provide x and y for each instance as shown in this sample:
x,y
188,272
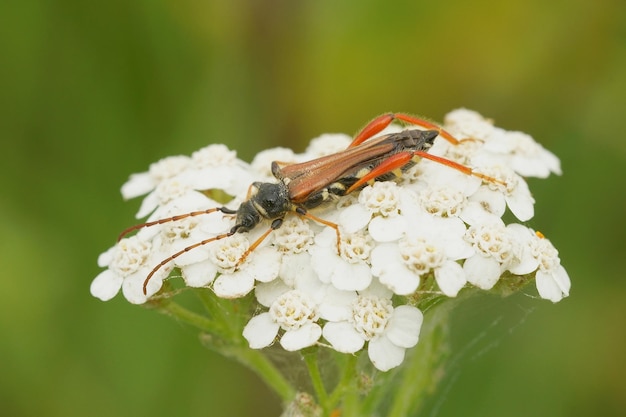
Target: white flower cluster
x,y
432,222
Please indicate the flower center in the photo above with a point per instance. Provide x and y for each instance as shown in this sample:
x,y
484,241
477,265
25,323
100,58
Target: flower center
x,y
443,202
180,229
227,252
381,198
491,240
131,254
293,310
214,156
169,167
420,256
370,315
294,235
171,189
356,248
547,255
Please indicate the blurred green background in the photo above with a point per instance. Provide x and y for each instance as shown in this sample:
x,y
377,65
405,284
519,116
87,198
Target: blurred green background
x,y
93,91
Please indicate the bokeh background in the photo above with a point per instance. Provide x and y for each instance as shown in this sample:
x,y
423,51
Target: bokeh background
x,y
93,91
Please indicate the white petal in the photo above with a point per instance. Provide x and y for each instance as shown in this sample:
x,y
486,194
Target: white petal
x,y
450,278
520,202
132,288
483,205
260,331
404,326
336,305
296,266
343,337
138,184
267,292
377,289
264,264
561,277
354,218
193,256
525,262
324,260
148,204
482,272
387,229
351,277
199,274
303,337
400,280
384,354
475,214
235,285
388,266
106,285
553,285
105,258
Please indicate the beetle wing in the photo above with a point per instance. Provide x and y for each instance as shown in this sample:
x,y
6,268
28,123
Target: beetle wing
x,y
311,176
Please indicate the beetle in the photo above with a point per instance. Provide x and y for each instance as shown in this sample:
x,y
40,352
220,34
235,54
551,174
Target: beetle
x,y
304,186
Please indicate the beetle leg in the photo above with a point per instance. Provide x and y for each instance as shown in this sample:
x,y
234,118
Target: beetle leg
x,y
303,212
394,162
455,165
275,225
379,123
399,160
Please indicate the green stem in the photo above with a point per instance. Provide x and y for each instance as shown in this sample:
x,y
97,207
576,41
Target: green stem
x,y
228,347
347,390
420,375
257,362
185,315
310,358
347,384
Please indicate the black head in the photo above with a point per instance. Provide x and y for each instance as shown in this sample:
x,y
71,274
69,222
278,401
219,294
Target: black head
x,y
429,136
267,201
247,218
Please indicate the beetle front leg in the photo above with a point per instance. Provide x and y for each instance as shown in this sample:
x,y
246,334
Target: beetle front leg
x,y
304,213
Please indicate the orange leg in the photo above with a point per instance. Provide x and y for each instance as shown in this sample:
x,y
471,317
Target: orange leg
x,y
379,123
397,161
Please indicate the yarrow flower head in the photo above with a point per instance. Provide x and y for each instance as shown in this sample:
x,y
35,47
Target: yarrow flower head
x,y
331,256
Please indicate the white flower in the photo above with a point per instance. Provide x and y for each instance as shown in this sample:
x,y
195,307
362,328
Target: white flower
x,y
143,183
524,155
400,267
237,279
129,263
348,270
388,331
327,144
464,123
262,162
538,254
352,275
515,193
379,210
292,311
494,251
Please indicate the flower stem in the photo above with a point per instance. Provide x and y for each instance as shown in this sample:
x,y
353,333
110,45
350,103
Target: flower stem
x,y
310,358
257,362
420,375
185,315
232,347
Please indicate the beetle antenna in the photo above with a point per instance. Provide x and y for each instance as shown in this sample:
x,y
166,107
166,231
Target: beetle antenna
x,y
173,219
179,253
